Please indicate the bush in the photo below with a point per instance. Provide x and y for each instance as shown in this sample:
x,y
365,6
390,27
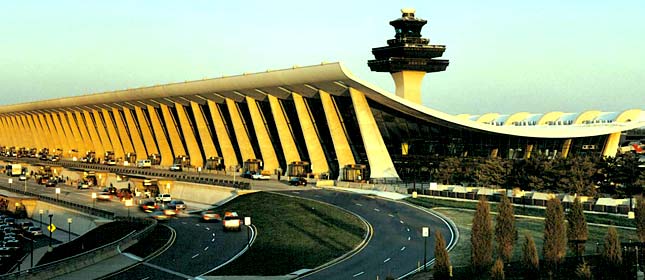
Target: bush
x,y
497,272
481,238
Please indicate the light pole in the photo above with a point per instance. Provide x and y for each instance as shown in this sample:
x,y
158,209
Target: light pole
x,y
25,184
69,229
247,223
41,211
128,204
10,183
425,232
50,231
93,200
57,193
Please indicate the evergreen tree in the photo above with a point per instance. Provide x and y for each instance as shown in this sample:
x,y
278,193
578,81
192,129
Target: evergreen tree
x,y
441,268
505,232
497,271
577,227
611,253
640,218
555,242
530,258
481,238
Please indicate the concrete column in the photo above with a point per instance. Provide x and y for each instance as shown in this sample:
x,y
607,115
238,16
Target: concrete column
x,y
565,147
146,131
65,146
113,134
84,145
243,142
43,131
611,146
137,141
338,136
493,152
195,154
204,132
529,150
103,136
26,119
99,149
166,153
228,152
84,133
49,132
24,134
14,131
173,133
123,132
312,140
4,137
71,139
262,134
285,134
381,166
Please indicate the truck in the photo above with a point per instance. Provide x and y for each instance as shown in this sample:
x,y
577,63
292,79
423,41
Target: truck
x,y
14,170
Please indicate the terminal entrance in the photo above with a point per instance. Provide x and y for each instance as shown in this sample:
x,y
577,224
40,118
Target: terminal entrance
x,y
354,172
298,169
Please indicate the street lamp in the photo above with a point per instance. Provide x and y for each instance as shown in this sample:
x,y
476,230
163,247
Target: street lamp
x,y
93,200
425,232
41,211
25,184
10,182
69,229
128,204
57,193
247,223
50,232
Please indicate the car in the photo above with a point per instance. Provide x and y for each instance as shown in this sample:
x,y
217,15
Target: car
x,y
231,222
178,204
12,243
148,206
50,184
260,177
22,177
248,174
297,181
83,185
104,196
9,221
211,215
26,225
10,235
176,167
35,231
159,216
163,197
110,162
169,210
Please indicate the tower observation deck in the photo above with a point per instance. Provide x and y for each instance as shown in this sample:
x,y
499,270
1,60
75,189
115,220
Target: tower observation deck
x,y
408,57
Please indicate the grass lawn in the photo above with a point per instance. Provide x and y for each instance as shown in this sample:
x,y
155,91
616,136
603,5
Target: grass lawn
x,y
292,234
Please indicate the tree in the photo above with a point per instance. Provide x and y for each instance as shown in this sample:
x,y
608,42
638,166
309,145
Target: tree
x,y
481,238
611,253
577,228
505,232
583,271
640,218
441,268
449,168
530,259
497,272
555,242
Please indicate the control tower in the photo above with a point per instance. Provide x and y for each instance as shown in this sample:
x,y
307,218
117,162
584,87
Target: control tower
x,y
408,57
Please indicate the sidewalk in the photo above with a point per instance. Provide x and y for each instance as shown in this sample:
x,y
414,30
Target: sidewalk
x,y
58,234
100,269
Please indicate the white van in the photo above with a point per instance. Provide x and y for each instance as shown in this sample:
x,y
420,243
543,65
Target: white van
x,y
144,163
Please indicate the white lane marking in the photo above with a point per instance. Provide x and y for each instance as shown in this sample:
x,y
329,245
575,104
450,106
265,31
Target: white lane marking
x,y
205,249
401,222
376,209
208,228
195,256
408,238
213,240
408,229
358,274
183,223
403,248
213,234
196,225
145,278
386,260
132,256
391,215
296,192
167,270
358,204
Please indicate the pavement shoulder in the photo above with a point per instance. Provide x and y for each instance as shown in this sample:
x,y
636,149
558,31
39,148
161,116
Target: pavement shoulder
x,y
100,269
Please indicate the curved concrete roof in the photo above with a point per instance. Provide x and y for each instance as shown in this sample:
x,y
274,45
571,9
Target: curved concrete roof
x,y
333,78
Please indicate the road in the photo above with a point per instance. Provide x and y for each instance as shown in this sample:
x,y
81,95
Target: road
x,y
396,246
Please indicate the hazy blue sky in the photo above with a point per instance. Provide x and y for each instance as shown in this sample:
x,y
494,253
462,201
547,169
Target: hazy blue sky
x,y
505,56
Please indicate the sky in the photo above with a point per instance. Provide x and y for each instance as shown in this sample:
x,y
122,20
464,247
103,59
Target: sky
x,y
505,56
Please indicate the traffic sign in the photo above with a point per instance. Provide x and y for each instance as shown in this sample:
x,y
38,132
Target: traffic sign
x,y
51,227
425,232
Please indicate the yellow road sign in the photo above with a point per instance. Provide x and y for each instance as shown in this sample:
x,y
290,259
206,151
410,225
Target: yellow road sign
x,y
51,227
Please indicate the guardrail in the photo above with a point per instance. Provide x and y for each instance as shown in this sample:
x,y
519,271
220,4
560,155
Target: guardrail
x,y
73,263
76,206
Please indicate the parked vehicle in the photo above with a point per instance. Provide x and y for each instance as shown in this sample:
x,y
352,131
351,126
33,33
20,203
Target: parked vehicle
x,y
26,225
22,177
176,167
83,185
35,231
260,177
50,184
231,222
144,163
298,181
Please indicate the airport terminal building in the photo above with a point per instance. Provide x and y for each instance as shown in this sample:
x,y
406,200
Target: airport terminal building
x,y
318,120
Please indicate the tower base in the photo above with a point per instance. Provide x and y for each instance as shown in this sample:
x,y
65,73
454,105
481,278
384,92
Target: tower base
x,y
408,84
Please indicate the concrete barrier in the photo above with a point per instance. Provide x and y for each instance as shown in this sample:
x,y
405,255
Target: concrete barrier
x,y
206,194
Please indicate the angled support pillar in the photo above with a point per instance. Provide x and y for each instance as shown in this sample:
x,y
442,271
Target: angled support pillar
x,y
4,137
611,146
262,134
103,136
113,134
204,133
312,141
32,131
99,149
137,141
494,152
196,158
529,150
565,147
25,141
64,140
163,147
381,165
123,132
243,142
84,133
338,136
71,138
11,131
43,133
48,128
284,132
225,145
173,133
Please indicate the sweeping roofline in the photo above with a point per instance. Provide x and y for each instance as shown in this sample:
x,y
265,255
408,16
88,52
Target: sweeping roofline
x,y
326,76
